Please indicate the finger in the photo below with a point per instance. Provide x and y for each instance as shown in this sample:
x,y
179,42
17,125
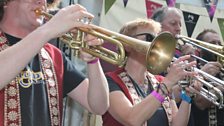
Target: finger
x,y
86,56
95,41
182,58
78,15
76,7
191,64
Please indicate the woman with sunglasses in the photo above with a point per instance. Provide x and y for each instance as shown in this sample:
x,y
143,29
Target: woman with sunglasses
x,y
138,98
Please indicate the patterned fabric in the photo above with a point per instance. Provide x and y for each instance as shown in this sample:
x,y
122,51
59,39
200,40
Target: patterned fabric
x,y
123,80
212,116
10,115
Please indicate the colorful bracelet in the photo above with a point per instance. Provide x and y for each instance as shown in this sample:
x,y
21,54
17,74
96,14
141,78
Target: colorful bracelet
x,y
158,96
93,61
185,97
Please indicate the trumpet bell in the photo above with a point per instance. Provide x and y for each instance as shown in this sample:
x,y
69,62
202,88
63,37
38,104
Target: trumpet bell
x,y
161,53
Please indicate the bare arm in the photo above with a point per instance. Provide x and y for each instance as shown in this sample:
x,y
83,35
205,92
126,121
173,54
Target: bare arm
x,y
181,118
15,58
93,93
132,115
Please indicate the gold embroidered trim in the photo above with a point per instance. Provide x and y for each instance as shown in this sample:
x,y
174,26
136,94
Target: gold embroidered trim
x,y
52,87
12,110
12,115
136,98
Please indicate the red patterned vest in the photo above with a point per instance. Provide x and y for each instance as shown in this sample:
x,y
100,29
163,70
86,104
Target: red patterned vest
x,y
52,62
108,119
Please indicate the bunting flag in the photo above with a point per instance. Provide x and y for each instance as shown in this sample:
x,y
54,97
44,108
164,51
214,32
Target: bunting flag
x,y
108,4
151,7
211,7
125,2
190,20
221,26
171,3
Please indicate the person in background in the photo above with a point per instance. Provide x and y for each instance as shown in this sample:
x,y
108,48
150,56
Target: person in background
x,y
138,98
35,75
170,20
205,113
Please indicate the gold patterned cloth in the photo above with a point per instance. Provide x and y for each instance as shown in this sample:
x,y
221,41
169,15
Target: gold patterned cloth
x,y
10,114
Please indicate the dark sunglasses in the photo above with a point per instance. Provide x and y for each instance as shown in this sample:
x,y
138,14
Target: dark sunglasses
x,y
148,37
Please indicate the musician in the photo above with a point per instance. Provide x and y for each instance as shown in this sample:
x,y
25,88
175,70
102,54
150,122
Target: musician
x,y
139,98
35,75
205,113
170,20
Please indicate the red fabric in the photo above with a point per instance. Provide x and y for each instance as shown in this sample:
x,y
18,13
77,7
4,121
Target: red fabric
x,y
159,78
59,69
108,120
57,59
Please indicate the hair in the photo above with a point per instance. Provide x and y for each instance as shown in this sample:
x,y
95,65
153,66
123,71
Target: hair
x,y
2,4
204,53
159,14
131,27
202,34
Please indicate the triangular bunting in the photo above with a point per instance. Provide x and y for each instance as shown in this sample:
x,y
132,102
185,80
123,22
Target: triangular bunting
x,y
190,20
151,7
211,7
171,3
108,4
125,2
221,26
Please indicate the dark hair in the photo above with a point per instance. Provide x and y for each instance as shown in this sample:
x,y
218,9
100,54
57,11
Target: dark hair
x,y
2,3
201,35
204,53
159,14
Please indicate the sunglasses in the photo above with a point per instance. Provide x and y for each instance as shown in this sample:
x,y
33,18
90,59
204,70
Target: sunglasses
x,y
148,37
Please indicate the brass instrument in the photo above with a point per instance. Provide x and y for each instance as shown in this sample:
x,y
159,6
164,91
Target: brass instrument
x,y
158,53
211,92
215,49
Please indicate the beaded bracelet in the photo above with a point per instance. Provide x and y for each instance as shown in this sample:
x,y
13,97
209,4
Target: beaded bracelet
x,y
93,61
158,96
185,97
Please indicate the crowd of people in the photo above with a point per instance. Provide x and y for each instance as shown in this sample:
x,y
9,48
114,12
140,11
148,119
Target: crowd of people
x,y
35,75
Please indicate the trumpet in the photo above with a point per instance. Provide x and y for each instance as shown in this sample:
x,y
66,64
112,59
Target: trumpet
x,y
211,92
158,53
215,49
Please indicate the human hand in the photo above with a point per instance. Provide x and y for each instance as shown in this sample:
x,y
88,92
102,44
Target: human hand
x,y
90,41
188,49
67,19
212,68
177,71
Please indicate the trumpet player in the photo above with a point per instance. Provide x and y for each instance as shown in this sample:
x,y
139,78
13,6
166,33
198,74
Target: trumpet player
x,y
205,113
34,75
170,20
138,98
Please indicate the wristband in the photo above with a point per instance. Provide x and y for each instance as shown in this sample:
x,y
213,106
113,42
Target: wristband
x,y
185,97
158,96
93,61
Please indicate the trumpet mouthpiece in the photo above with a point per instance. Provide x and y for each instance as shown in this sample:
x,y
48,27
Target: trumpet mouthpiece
x,y
38,12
